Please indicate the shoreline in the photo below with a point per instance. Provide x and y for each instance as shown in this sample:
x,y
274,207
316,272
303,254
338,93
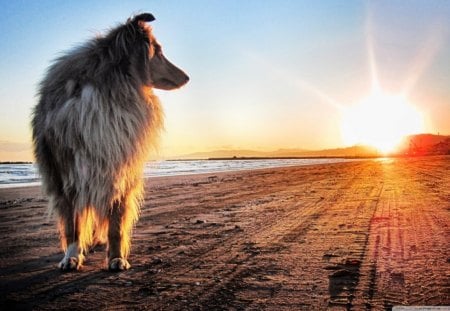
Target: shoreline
x,y
32,184
271,158
200,174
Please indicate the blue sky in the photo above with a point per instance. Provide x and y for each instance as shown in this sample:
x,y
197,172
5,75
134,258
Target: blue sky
x,y
260,70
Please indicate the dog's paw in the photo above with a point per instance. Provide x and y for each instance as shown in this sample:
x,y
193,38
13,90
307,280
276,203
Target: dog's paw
x,y
118,264
69,263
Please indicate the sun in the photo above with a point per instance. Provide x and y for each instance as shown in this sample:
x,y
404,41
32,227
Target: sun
x,y
381,120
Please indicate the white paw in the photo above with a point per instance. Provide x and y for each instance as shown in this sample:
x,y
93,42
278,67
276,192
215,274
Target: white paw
x,y
69,263
118,264
73,259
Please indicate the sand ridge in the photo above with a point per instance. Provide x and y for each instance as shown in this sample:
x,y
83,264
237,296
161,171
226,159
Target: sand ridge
x,y
359,235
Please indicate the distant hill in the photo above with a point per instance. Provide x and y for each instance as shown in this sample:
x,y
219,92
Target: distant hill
x,y
355,151
220,154
240,153
421,144
425,144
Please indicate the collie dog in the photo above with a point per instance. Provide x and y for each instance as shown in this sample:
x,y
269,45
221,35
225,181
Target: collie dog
x,y
95,122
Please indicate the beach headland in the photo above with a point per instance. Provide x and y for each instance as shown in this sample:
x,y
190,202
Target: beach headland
x,y
369,234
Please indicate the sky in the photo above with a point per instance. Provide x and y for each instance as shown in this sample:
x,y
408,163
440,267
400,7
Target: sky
x,y
264,75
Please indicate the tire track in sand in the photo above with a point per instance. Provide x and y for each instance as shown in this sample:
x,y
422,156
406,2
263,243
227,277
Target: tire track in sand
x,y
408,242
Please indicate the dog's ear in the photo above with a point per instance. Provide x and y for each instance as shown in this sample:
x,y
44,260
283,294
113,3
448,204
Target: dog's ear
x,y
126,39
140,22
144,17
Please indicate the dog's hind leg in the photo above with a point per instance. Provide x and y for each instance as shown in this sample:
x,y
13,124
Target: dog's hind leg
x,y
119,237
69,231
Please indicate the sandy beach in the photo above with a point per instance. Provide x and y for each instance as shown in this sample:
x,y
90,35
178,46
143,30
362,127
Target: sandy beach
x,y
359,235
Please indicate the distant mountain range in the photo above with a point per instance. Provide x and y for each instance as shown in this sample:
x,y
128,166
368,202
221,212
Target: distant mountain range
x,y
421,144
354,151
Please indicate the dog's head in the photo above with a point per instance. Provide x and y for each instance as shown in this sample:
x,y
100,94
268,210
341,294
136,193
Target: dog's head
x,y
134,47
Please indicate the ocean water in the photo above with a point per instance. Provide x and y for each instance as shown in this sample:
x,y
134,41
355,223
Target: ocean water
x,y
18,175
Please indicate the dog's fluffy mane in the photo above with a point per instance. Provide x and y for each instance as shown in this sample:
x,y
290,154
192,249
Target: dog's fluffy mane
x,y
94,125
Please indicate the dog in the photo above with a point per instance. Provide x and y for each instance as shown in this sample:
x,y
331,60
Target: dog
x,y
93,127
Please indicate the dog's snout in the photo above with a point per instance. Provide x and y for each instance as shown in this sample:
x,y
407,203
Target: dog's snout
x,y
167,76
183,78
186,78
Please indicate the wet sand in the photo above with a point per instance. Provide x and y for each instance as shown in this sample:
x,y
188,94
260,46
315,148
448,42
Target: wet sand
x,y
360,235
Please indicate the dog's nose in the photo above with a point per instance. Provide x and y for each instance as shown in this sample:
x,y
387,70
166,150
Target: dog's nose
x,y
186,78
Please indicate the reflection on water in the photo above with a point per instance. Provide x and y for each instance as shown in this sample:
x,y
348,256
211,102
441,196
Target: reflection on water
x,y
14,175
385,160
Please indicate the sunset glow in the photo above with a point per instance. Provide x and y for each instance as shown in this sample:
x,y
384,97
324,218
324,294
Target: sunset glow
x,y
265,75
380,120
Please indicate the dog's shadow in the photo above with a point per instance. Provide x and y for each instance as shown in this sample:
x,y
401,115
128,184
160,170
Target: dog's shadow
x,y
39,281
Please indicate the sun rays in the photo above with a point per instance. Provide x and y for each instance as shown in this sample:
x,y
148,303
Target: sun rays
x,y
381,119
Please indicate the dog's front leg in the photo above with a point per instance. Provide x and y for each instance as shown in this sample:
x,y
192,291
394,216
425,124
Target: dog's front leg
x,y
69,226
118,238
